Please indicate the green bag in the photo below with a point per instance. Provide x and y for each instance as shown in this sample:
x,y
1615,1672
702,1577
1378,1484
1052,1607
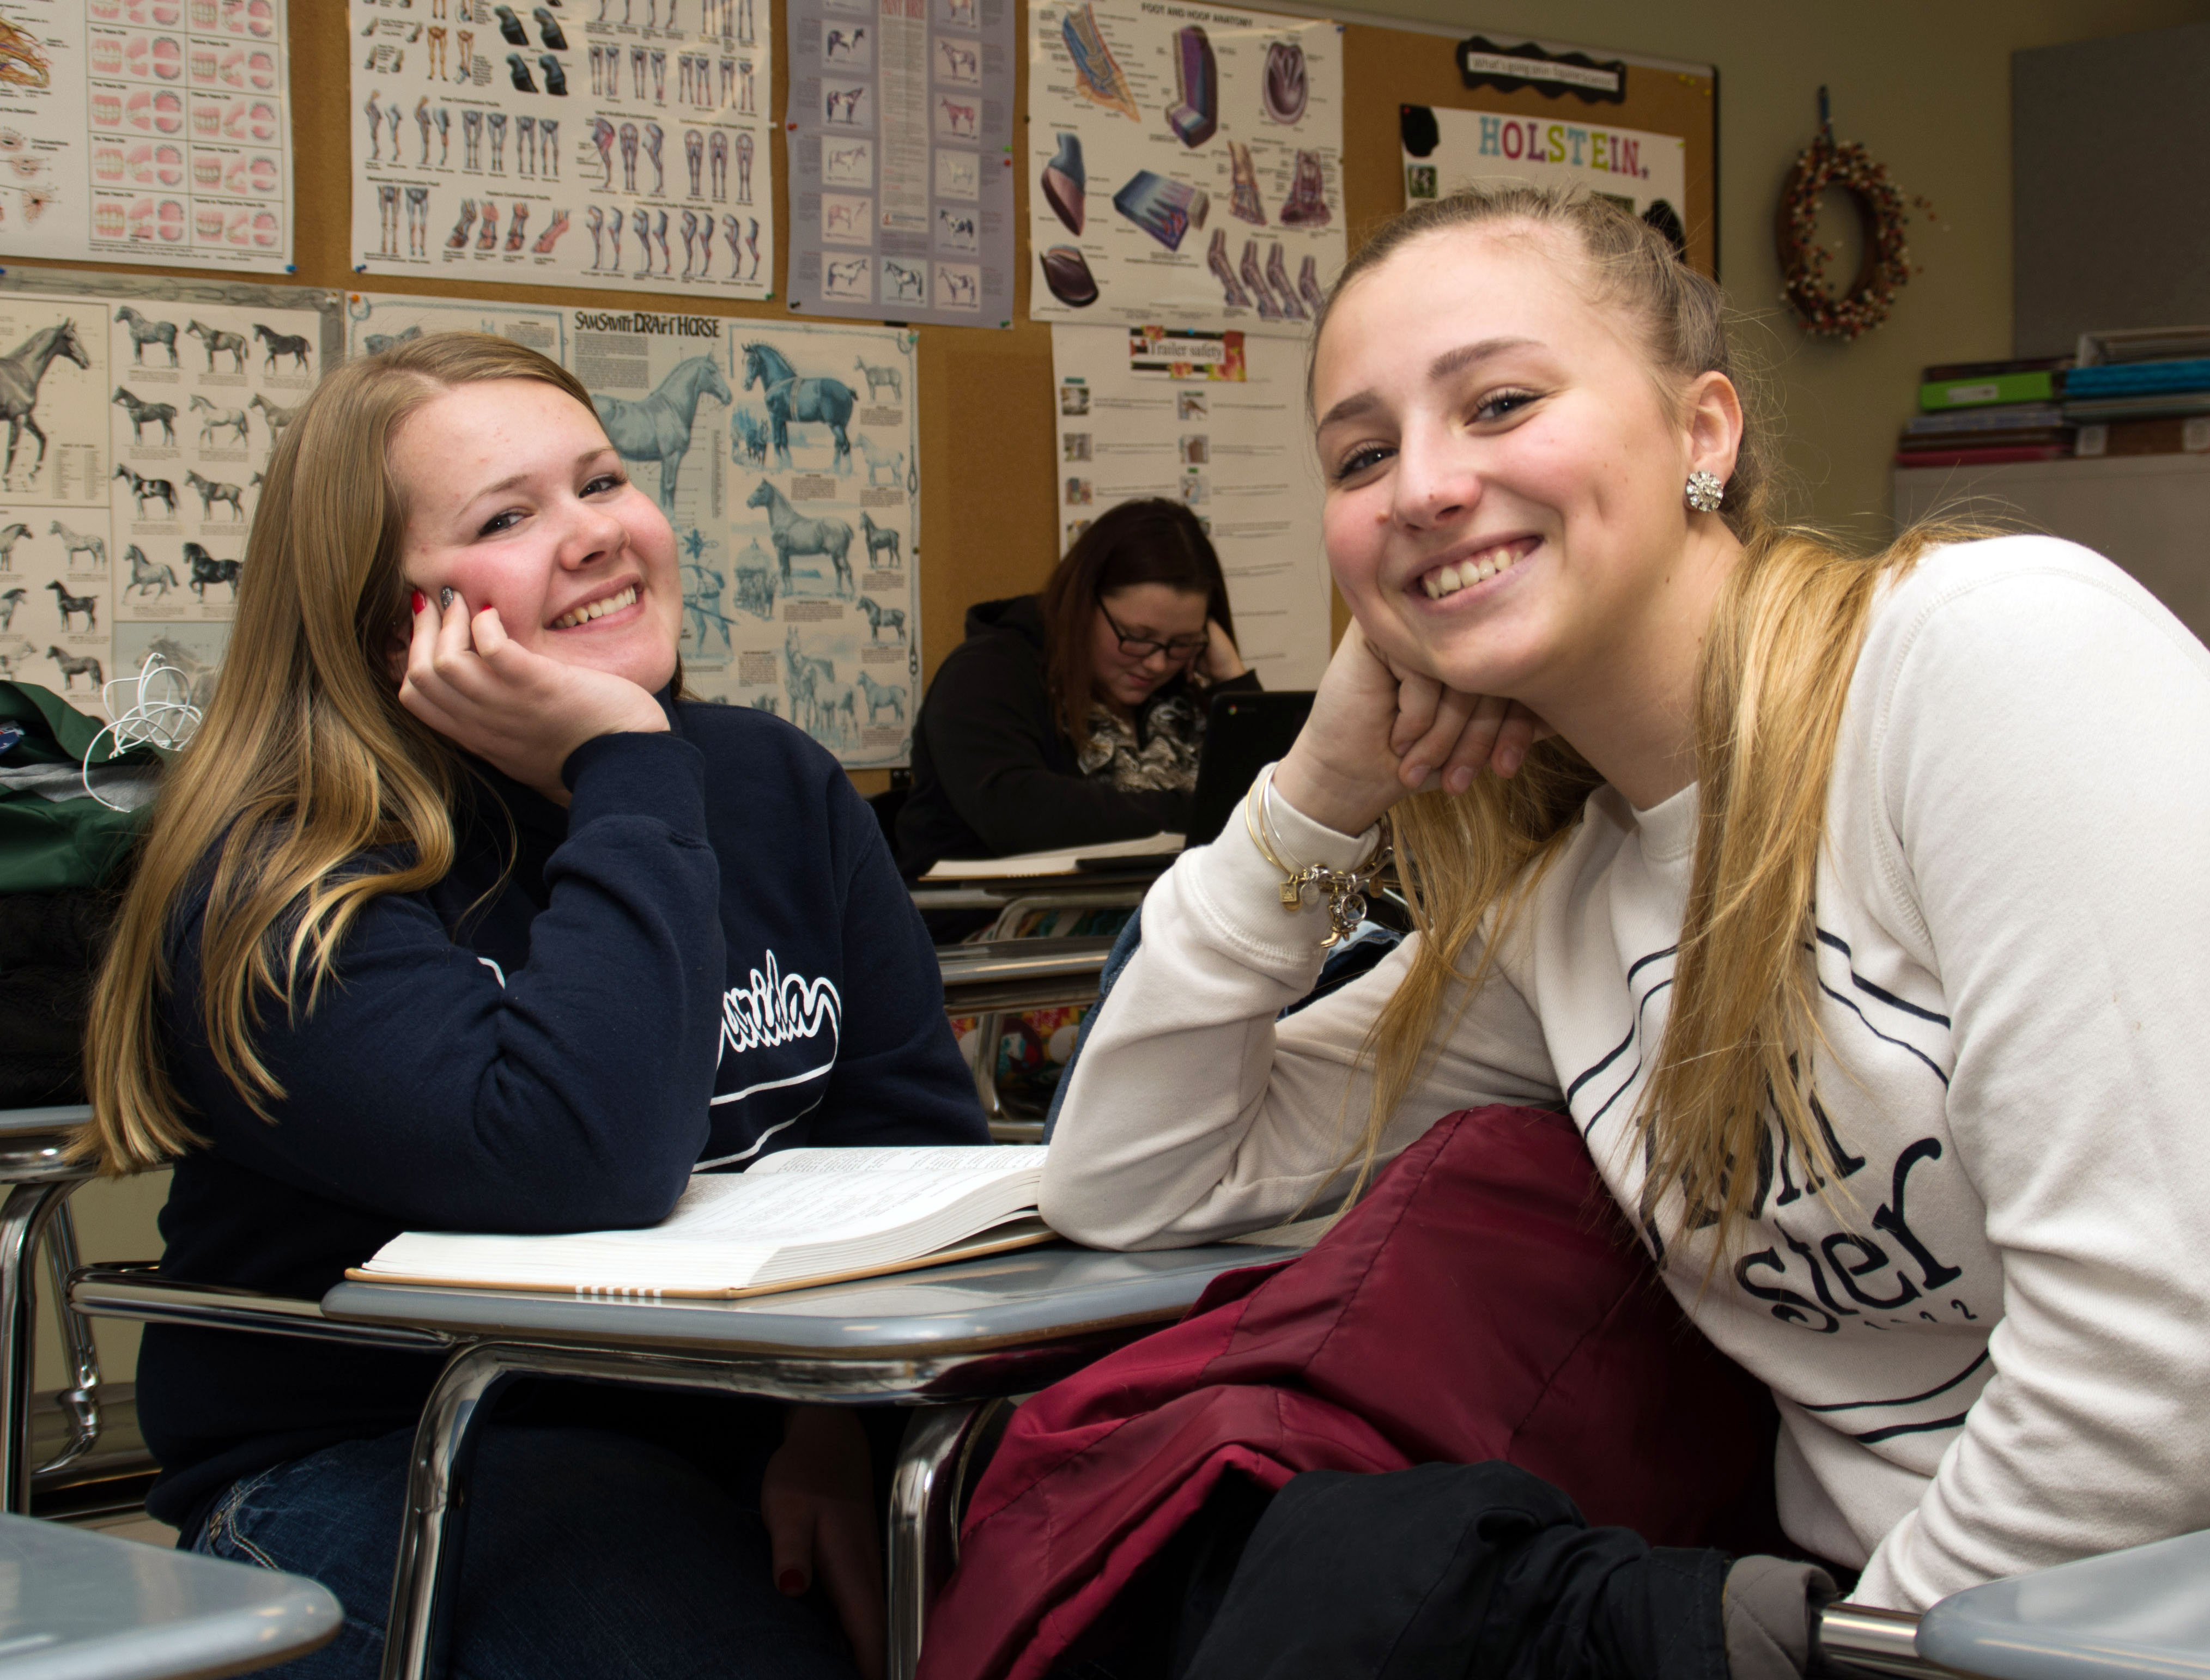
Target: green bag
x,y
53,834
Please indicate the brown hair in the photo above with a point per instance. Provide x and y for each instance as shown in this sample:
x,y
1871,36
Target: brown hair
x,y
1153,541
1773,678
305,760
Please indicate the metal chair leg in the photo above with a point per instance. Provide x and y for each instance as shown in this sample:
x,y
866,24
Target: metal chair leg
x,y
921,1519
428,1566
23,1218
80,1401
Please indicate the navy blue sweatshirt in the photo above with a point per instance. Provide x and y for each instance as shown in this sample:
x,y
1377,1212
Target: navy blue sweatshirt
x,y
709,956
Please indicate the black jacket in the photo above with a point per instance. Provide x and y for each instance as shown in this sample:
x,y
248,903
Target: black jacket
x,y
992,774
707,954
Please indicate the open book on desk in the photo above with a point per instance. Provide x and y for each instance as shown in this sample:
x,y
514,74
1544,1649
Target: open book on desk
x,y
1161,847
798,1218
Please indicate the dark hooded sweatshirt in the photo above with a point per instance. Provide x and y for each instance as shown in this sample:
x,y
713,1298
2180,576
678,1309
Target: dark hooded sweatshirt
x,y
993,773
707,956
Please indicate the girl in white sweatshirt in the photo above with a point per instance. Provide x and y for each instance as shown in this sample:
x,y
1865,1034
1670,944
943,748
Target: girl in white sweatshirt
x,y
1855,911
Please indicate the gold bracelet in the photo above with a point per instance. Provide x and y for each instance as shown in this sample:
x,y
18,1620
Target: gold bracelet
x,y
1344,890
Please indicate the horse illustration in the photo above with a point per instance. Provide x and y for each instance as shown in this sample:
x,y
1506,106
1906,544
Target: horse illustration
x,y
377,343
879,377
293,344
72,604
882,694
9,538
214,338
148,575
207,569
144,332
75,665
793,534
881,460
148,489
198,675
701,601
879,616
658,428
13,652
823,401
211,492
278,417
879,541
9,603
748,438
846,39
219,419
805,678
141,411
21,370
78,543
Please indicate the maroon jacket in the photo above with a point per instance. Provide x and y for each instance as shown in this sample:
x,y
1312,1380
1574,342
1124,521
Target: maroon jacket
x,y
1484,1301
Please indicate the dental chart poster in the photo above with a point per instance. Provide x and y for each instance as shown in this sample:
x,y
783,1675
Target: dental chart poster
x,y
141,422
902,155
147,131
1648,172
1214,419
786,457
1184,164
615,144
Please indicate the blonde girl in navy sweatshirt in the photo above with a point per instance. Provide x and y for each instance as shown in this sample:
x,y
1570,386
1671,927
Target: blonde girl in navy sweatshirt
x,y
455,917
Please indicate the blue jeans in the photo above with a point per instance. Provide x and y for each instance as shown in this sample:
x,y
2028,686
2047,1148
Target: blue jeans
x,y
588,1552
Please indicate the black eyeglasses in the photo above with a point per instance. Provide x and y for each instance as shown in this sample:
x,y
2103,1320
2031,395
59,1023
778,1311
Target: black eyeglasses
x,y
1139,648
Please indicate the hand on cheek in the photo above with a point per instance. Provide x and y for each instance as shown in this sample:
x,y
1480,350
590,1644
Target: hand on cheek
x,y
469,680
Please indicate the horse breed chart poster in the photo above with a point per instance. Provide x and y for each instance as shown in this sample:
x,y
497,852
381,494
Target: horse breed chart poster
x,y
139,431
1214,419
1184,164
902,160
621,146
1649,171
147,131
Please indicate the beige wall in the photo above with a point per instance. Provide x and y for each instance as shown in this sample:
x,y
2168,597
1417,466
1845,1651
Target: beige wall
x,y
1925,85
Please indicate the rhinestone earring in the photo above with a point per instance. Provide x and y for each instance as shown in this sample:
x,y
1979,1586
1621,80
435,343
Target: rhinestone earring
x,y
1705,491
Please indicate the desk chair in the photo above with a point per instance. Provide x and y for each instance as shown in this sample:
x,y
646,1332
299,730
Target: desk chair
x,y
1004,976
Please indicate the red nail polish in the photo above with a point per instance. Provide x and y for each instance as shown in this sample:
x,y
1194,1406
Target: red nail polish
x,y
791,1583
420,600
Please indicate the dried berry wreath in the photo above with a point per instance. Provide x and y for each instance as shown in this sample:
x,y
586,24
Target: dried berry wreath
x,y
1828,165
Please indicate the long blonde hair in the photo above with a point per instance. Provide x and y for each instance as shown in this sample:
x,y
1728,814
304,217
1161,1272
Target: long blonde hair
x,y
1773,677
305,760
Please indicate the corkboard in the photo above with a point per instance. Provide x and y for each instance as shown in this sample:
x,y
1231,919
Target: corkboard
x,y
988,425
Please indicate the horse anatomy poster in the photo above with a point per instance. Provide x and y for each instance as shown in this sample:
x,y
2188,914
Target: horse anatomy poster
x,y
139,422
902,160
1213,141
147,131
623,148
786,458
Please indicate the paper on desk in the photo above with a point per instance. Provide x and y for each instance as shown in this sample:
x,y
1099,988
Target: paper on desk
x,y
1024,864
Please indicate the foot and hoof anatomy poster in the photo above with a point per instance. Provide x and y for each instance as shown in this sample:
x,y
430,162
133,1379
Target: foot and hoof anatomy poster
x,y
139,422
147,131
1184,164
615,144
902,159
786,460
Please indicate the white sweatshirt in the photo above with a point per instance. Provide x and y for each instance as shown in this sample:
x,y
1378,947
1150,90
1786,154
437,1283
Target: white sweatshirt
x,y
1990,1341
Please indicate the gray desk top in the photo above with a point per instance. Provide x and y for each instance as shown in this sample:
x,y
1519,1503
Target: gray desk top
x,y
2143,1611
1022,1298
77,1606
38,1122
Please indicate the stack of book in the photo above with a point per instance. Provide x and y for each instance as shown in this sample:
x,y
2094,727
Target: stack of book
x,y
2141,393
1984,413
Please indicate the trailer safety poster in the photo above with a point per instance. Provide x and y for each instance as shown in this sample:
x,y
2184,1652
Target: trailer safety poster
x,y
132,471
624,148
902,160
147,131
1184,164
1214,420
